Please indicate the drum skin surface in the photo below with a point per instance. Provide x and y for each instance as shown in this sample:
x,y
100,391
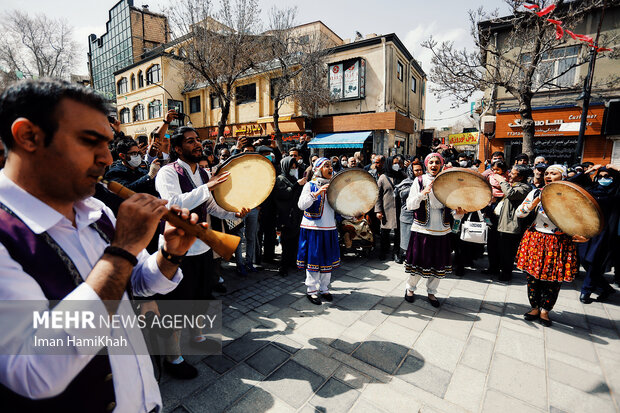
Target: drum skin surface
x,y
572,209
464,188
353,192
252,177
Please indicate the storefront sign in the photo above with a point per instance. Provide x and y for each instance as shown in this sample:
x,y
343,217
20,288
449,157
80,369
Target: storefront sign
x,y
347,80
469,138
249,130
551,122
213,132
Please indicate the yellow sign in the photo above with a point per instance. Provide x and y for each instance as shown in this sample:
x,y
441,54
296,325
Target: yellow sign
x,y
469,138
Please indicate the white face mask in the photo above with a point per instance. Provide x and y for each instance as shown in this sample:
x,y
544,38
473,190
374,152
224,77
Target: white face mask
x,y
463,163
134,161
396,167
343,163
294,173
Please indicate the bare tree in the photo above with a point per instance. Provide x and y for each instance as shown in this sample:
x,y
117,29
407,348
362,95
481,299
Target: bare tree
x,y
36,46
513,53
296,67
221,46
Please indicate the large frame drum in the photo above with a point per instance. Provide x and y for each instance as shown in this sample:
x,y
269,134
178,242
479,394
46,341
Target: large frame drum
x,y
462,187
352,192
252,177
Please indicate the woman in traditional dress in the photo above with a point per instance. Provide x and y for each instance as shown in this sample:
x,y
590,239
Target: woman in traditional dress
x,y
319,252
546,254
428,253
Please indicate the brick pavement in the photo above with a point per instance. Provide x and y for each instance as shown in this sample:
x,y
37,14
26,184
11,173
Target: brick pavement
x,y
370,351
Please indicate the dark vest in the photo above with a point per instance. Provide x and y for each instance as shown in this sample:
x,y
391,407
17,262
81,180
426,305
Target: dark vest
x,y
92,390
423,213
186,185
315,211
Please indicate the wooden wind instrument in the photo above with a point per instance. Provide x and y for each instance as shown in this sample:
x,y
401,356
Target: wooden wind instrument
x,y
221,243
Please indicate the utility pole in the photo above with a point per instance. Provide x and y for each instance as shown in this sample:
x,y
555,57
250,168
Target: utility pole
x,y
586,93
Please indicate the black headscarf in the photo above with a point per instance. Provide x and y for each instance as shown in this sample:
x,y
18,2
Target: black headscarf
x,y
397,176
285,167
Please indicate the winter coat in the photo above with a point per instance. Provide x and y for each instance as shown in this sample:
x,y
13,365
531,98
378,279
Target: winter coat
x,y
388,203
286,194
513,197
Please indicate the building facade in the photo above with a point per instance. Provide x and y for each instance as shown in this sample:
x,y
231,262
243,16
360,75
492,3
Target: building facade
x,y
130,32
557,111
378,92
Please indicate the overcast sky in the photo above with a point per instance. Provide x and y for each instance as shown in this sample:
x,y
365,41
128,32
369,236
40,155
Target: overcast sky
x,y
411,20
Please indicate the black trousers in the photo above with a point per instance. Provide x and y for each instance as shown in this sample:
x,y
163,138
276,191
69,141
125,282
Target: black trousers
x,y
594,278
385,241
198,279
542,294
289,239
509,244
266,238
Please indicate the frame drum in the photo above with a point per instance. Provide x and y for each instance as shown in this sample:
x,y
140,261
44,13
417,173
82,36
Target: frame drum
x,y
462,187
252,177
572,209
352,192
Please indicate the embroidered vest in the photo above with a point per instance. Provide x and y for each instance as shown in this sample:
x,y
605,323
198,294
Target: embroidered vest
x,y
92,390
186,184
315,211
423,213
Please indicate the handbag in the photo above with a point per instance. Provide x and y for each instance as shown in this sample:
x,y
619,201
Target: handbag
x,y
475,232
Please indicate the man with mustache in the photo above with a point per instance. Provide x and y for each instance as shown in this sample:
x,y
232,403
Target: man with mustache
x,y
184,183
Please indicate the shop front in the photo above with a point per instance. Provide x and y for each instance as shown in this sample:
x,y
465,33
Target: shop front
x,y
555,136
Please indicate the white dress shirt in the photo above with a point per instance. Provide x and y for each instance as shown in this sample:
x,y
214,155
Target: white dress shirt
x,y
327,220
43,376
167,184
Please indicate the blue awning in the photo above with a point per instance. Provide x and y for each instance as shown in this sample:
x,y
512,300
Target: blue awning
x,y
340,140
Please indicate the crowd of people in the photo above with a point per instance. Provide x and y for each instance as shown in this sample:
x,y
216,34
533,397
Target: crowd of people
x,y
64,127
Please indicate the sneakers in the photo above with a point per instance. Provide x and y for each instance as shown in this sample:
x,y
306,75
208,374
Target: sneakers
x,y
181,371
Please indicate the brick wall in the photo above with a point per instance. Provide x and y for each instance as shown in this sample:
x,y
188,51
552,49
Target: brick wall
x,y
153,35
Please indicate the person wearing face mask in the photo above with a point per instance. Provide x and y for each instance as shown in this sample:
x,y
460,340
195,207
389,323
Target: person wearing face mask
x,y
286,192
463,161
428,253
546,254
599,253
414,171
337,167
344,161
128,172
387,208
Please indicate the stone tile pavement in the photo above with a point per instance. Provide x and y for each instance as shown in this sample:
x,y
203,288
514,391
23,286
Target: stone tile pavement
x,y
370,351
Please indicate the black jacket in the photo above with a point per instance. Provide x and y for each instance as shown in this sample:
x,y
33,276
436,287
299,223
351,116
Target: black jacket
x,y
136,179
286,193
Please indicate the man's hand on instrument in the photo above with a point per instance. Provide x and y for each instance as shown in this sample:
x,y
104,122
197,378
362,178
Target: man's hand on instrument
x,y
136,222
218,179
579,238
242,213
177,241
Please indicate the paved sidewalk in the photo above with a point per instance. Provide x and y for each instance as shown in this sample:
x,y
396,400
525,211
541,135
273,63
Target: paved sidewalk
x,y
370,351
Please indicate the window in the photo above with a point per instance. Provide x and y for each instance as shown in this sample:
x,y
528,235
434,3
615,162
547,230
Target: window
x,y
153,75
215,100
399,71
155,109
140,79
124,115
138,112
557,67
122,85
413,84
245,93
194,104
133,82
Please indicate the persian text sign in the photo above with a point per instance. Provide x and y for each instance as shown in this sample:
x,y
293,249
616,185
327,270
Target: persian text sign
x,y
469,138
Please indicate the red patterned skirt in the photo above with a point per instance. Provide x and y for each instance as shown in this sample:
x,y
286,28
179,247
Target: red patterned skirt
x,y
548,257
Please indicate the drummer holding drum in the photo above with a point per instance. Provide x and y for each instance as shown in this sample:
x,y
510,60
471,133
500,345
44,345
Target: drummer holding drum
x,y
428,253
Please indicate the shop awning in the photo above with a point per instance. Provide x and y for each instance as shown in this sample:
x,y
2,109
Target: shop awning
x,y
340,140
